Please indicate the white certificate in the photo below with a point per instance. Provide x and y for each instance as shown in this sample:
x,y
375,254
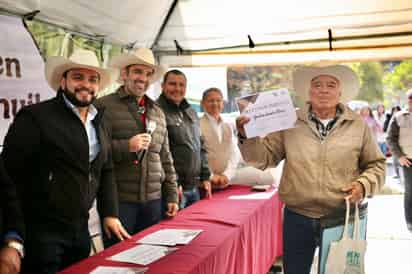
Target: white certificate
x,y
142,254
268,111
170,237
119,270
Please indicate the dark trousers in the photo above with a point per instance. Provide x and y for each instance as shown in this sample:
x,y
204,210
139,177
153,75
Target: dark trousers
x,y
301,236
137,216
407,174
51,247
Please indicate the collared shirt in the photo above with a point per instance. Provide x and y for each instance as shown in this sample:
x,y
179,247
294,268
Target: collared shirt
x,y
94,146
235,153
324,126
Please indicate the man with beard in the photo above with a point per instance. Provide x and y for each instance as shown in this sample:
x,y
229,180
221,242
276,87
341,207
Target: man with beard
x,y
58,154
141,155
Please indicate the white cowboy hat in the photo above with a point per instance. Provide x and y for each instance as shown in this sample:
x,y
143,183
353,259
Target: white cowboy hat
x,y
139,56
349,81
56,66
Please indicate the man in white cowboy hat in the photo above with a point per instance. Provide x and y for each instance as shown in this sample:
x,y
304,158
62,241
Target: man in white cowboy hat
x,y
329,155
400,142
59,156
141,154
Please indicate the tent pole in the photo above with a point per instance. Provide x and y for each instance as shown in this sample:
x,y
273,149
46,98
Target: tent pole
x,y
164,23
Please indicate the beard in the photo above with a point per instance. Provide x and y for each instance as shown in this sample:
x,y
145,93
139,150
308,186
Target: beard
x,y
71,96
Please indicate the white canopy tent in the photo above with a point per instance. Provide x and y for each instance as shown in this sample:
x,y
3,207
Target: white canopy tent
x,y
215,32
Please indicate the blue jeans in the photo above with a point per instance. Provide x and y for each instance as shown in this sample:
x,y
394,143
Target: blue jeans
x,y
383,148
301,236
407,175
136,217
189,197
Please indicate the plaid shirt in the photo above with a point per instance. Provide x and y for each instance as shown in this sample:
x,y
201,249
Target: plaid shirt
x,y
322,129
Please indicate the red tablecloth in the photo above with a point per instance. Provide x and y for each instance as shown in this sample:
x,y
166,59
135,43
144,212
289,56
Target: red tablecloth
x,y
239,237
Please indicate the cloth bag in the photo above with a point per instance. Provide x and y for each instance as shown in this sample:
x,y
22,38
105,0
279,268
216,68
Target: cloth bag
x,y
347,256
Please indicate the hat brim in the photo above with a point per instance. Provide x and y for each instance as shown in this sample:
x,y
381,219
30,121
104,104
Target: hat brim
x,y
123,60
56,66
348,80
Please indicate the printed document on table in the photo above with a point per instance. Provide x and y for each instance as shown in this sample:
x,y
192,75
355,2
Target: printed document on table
x,y
142,254
170,237
119,270
268,111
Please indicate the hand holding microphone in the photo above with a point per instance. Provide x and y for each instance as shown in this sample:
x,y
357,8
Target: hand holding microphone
x,y
140,142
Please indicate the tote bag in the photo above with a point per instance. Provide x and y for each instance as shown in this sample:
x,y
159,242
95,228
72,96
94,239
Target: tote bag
x,y
347,256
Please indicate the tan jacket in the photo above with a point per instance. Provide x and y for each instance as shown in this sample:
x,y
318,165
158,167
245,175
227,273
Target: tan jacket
x,y
315,170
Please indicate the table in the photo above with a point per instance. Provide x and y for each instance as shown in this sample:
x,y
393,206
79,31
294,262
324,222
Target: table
x,y
239,237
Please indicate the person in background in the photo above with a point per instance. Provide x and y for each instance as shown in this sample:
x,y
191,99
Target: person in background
x,y
380,118
330,155
58,154
186,143
395,161
400,142
142,159
367,116
225,160
221,145
11,226
389,117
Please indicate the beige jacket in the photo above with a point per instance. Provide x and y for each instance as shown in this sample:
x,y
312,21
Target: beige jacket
x,y
315,170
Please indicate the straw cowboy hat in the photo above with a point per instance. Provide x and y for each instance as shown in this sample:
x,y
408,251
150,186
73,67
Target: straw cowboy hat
x,y
349,81
139,56
56,66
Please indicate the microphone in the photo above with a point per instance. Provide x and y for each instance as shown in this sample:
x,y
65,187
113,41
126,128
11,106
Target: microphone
x,y
151,126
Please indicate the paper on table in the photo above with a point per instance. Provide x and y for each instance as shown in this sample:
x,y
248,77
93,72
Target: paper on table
x,y
119,270
254,196
268,111
170,237
142,254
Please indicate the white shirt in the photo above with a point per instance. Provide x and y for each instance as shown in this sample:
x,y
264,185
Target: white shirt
x,y
94,146
234,151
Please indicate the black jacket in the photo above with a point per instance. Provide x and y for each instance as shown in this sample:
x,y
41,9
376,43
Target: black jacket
x,y
46,153
11,217
186,144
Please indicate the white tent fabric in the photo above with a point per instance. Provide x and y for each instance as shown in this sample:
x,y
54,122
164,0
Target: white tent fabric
x,y
214,32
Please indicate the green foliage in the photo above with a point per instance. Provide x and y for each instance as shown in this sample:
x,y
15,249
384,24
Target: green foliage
x,y
53,41
371,85
400,80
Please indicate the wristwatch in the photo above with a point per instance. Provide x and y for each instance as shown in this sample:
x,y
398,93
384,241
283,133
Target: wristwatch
x,y
17,246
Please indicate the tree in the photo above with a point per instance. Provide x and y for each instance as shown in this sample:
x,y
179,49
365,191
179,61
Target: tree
x,y
400,80
371,84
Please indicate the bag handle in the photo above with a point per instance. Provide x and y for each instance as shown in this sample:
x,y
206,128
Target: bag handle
x,y
356,223
346,227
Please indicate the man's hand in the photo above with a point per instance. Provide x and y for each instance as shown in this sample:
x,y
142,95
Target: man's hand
x,y
208,188
112,225
172,209
139,142
219,181
180,193
355,192
10,261
240,122
403,161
